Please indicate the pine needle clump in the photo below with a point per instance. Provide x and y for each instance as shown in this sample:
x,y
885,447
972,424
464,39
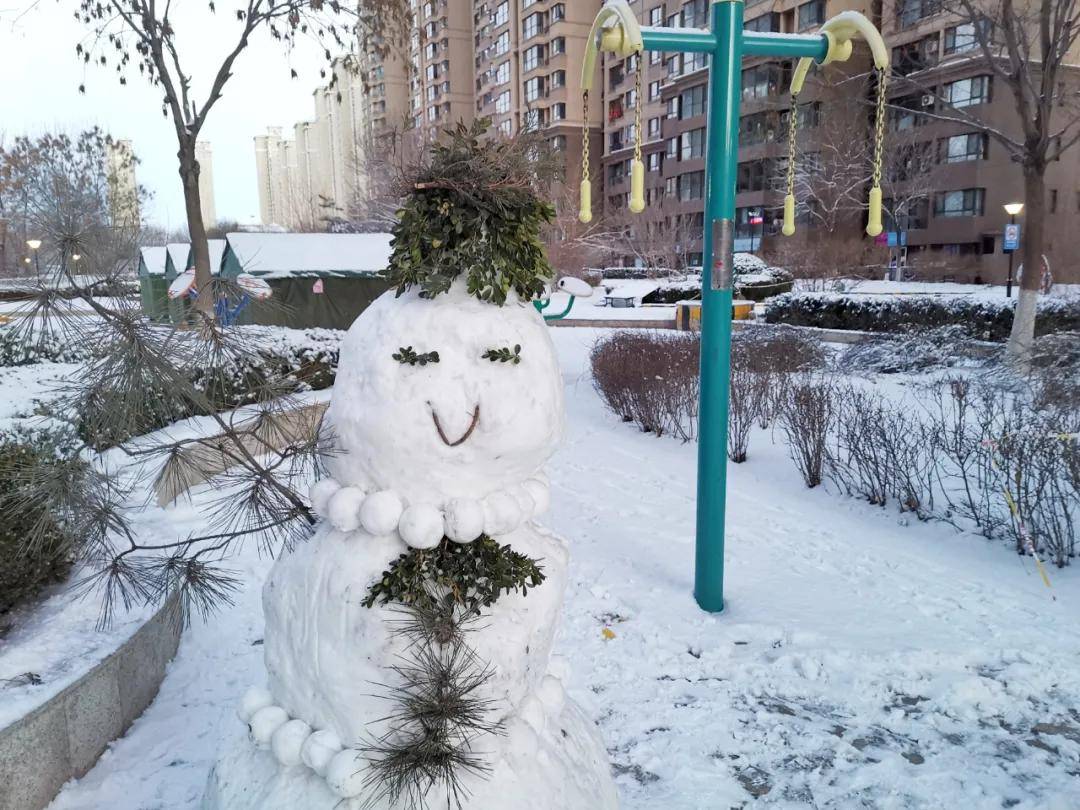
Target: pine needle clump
x,y
474,210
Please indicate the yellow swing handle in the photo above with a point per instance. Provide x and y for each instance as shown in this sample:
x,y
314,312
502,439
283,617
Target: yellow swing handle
x,y
615,30
839,31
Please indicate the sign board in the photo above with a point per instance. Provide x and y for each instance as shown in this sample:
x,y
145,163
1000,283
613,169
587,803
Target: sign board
x,y
182,284
1011,241
895,240
317,287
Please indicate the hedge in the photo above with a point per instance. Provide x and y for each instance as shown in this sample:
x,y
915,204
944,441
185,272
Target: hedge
x,y
26,568
979,318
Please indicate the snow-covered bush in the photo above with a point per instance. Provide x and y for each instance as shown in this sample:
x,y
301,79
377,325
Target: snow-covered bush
x,y
755,279
26,567
19,349
981,318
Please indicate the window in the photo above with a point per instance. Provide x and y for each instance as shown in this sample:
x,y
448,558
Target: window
x,y
506,128
691,186
534,88
672,147
811,14
692,144
655,161
534,57
534,24
654,91
753,175
502,75
532,120
961,148
432,72
692,102
431,50
502,102
907,113
656,15
917,55
558,143
910,12
655,57
968,92
695,14
558,112
558,12
809,116
502,13
631,99
558,78
654,128
558,45
966,202
671,187
905,215
961,38
673,107
761,81
766,22
502,44
616,75
615,109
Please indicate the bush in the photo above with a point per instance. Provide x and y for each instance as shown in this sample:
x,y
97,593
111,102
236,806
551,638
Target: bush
x,y
650,379
33,550
807,415
979,318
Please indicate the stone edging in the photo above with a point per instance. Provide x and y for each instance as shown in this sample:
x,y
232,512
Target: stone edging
x,y
63,738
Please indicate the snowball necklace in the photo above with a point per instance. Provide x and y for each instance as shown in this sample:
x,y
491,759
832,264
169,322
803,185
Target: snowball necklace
x,y
423,525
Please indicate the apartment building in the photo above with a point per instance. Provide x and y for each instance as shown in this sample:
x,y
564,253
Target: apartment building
x,y
123,188
441,55
675,96
317,175
204,154
939,68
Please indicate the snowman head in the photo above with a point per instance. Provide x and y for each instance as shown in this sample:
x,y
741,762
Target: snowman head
x,y
462,426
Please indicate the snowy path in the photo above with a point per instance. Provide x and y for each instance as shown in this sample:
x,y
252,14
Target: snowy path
x,y
859,663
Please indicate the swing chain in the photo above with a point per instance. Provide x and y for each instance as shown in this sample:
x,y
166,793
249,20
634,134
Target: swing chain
x,y
793,130
879,130
585,136
638,105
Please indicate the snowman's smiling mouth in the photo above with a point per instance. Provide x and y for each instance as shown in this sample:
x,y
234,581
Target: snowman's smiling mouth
x,y
464,436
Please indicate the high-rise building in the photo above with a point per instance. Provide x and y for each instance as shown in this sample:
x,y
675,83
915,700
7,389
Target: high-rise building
x,y
123,188
276,171
938,67
205,156
441,53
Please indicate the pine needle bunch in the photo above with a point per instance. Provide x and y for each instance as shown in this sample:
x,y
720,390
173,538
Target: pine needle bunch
x,y
440,715
474,210
136,377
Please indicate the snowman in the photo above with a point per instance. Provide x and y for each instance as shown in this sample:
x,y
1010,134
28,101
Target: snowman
x,y
408,642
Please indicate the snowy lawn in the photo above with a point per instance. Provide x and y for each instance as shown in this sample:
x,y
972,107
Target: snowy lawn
x,y
861,662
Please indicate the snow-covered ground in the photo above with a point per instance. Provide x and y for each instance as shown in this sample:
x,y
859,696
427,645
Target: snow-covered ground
x,y
861,662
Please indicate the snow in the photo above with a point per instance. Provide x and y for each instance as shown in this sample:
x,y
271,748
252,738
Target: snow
x,y
273,255
178,254
154,259
861,661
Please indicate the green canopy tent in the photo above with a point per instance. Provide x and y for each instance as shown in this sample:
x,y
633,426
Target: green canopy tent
x,y
175,264
152,283
179,307
318,279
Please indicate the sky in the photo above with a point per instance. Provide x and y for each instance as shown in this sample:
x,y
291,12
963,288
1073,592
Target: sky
x,y
40,75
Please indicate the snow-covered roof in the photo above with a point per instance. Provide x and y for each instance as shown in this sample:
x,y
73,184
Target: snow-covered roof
x,y
178,252
217,250
153,258
284,254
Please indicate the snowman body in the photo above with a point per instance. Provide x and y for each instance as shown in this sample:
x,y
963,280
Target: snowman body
x,y
456,444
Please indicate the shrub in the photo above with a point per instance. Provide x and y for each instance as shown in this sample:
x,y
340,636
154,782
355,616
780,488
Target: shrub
x,y
33,550
980,318
650,379
806,416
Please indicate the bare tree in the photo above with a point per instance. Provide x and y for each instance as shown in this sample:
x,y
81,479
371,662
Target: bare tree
x,y
141,33
1026,46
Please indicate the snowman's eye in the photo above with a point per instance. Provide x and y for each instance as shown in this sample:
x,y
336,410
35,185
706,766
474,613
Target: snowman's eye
x,y
504,355
406,356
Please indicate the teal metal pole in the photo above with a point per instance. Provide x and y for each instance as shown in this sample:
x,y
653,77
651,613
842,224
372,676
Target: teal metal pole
x,y
721,161
789,46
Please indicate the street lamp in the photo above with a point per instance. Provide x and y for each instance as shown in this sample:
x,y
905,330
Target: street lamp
x,y
34,245
1012,209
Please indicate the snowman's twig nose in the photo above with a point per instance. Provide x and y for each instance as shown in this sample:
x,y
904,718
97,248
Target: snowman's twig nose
x,y
464,436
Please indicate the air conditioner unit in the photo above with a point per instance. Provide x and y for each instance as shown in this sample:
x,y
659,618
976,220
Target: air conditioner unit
x,y
928,100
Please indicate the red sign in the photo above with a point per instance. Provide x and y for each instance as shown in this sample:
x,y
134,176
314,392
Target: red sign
x,y
317,287
756,220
